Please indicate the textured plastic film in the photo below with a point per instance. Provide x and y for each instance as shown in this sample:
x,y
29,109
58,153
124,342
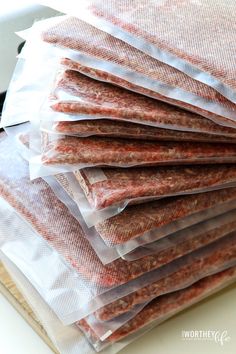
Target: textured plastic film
x,y
110,128
30,84
93,216
138,71
189,269
189,47
106,187
178,241
27,79
73,341
154,218
175,244
89,280
204,262
167,306
77,96
61,154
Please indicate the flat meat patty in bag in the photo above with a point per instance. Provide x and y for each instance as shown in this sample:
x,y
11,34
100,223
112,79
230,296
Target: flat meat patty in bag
x,y
114,129
187,270
80,96
136,220
80,36
107,187
36,202
97,151
168,305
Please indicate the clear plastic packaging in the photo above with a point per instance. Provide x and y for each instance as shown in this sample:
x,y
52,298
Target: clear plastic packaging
x,y
61,154
190,268
150,221
82,278
73,95
194,266
73,341
137,71
28,80
105,188
189,48
113,129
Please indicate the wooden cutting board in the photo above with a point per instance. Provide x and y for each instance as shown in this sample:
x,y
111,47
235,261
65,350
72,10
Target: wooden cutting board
x,y
13,295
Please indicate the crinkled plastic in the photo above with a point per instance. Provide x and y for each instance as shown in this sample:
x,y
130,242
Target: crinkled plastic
x,y
113,56
61,154
188,48
73,342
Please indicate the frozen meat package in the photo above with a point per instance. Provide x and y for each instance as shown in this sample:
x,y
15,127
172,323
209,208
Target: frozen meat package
x,y
189,48
58,239
114,60
155,313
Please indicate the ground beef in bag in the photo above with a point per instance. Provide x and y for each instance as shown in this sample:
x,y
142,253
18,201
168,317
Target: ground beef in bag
x,y
192,267
78,94
190,47
168,305
36,202
114,129
127,185
97,151
78,35
136,220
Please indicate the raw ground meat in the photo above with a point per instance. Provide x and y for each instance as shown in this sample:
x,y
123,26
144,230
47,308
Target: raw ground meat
x,y
75,34
191,40
194,267
122,185
111,128
98,151
75,93
35,202
168,305
136,220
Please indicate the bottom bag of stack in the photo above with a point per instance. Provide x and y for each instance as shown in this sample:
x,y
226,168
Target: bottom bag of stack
x,y
181,273
70,340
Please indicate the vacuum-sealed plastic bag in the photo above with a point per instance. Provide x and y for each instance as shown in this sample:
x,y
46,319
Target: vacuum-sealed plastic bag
x,y
150,221
166,306
66,153
190,268
73,341
104,52
87,283
110,128
188,48
73,95
193,237
107,187
16,244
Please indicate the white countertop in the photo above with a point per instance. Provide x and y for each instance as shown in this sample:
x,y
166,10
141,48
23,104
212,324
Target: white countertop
x,y
218,313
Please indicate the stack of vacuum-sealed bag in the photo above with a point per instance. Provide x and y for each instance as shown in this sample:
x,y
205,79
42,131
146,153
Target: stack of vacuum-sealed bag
x,y
118,169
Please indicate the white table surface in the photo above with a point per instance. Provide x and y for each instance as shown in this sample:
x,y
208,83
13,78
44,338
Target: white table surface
x,y
218,313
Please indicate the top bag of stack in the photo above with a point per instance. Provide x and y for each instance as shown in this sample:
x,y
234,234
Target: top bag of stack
x,y
203,49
